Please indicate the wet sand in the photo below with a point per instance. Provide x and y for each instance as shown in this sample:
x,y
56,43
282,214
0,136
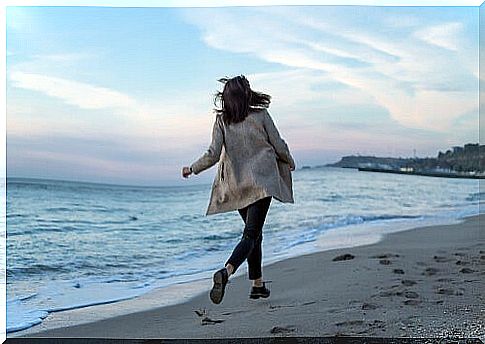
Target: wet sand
x,y
423,282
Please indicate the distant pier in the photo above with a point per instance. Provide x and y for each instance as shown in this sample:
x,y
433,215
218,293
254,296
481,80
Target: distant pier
x,y
424,173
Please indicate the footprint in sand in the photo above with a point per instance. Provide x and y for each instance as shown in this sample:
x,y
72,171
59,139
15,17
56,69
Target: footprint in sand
x,y
412,302
442,259
346,256
398,271
410,294
385,262
282,329
385,256
334,310
408,283
462,262
430,271
367,306
406,293
205,319
350,323
444,280
389,293
467,271
377,324
200,312
445,291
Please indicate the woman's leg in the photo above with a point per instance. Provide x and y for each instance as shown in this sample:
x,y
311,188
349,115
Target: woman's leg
x,y
254,263
255,256
255,217
243,212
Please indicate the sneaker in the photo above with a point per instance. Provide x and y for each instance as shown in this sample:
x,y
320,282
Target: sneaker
x,y
220,280
257,292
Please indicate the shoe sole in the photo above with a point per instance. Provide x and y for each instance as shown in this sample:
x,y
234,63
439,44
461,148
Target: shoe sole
x,y
257,296
217,291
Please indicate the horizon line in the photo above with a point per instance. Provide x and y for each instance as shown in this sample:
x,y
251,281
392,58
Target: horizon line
x,y
101,183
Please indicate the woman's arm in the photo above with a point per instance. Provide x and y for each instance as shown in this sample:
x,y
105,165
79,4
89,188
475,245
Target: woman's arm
x,y
277,142
213,153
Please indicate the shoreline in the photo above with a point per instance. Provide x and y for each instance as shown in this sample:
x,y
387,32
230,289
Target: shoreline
x,y
181,321
346,236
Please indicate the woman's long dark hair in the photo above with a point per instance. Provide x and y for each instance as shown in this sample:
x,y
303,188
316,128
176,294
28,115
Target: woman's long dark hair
x,y
237,99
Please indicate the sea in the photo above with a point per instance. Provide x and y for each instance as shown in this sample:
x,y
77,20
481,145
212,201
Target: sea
x,y
76,244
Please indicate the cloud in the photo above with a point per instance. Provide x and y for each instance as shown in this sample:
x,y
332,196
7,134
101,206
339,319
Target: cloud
x,y
64,57
292,90
143,118
165,130
394,67
76,93
446,35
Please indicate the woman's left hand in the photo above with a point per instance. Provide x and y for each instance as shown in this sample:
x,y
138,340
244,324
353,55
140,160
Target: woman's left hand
x,y
186,172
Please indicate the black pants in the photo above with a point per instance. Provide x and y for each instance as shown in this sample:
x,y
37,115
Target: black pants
x,y
250,244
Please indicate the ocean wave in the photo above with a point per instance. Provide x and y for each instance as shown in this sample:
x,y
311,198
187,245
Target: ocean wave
x,y
389,217
475,196
22,314
36,269
224,236
16,215
310,234
356,219
331,198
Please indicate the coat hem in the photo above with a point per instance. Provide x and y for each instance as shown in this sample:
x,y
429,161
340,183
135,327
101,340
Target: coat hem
x,y
248,202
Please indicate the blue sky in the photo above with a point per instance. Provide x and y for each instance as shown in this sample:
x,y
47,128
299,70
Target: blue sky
x,y
124,95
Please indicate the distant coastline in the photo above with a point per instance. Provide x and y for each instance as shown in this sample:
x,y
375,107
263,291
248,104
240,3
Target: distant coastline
x,y
459,162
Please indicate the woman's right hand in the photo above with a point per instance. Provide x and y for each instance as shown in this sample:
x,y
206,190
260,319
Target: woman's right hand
x,y
186,171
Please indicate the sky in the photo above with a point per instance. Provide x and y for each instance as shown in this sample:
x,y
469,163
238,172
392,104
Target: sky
x,y
125,95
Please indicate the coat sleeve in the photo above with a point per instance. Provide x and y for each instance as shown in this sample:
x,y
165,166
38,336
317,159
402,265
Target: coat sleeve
x,y
213,153
276,141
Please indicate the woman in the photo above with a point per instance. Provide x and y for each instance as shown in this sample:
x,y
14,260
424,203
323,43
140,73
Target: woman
x,y
254,166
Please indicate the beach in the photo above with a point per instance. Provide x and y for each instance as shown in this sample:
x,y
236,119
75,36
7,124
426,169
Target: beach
x,y
422,282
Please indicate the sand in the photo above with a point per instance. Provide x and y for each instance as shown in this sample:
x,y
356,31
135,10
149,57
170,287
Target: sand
x,y
422,282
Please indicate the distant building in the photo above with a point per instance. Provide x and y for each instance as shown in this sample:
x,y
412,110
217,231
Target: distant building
x,y
376,165
442,169
457,149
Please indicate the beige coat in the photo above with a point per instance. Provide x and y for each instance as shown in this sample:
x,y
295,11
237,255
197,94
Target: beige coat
x,y
254,162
